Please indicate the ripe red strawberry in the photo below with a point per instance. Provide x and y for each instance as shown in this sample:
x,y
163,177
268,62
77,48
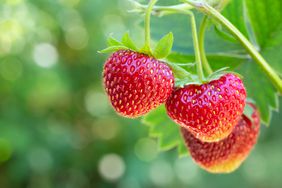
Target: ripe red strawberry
x,y
209,111
226,155
136,83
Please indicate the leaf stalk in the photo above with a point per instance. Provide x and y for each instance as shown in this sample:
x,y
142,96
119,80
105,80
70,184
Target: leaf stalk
x,y
147,46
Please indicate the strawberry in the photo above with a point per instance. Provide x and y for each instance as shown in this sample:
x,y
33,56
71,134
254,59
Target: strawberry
x,y
226,155
209,111
136,83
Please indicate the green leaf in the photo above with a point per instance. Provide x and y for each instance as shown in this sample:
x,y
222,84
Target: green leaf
x,y
181,74
248,112
266,20
165,130
163,47
113,42
217,61
112,49
128,42
235,14
217,74
260,89
220,31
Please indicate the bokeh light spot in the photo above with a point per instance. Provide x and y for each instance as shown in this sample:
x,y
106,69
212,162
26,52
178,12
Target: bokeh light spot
x,y
14,2
96,103
113,23
76,37
45,55
146,149
187,171
161,173
40,160
111,167
106,128
11,31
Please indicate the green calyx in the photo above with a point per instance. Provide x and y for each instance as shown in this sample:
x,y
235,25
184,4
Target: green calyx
x,y
184,77
248,110
163,46
161,51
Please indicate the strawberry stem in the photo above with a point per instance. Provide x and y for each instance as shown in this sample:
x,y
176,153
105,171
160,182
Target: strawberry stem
x,y
147,46
196,47
202,31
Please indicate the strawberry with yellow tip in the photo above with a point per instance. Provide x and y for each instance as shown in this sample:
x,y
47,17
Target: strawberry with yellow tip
x,y
226,155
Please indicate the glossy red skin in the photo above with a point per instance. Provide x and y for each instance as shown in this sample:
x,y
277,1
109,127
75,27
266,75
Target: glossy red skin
x,y
226,155
136,83
209,111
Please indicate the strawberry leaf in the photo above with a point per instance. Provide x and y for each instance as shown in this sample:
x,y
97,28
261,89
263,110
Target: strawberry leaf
x,y
165,130
216,60
112,49
113,42
266,21
180,72
220,31
128,42
163,47
260,89
217,74
248,112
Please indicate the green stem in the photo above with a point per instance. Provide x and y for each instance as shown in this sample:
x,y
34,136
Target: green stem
x,y
208,10
202,32
197,48
147,46
139,8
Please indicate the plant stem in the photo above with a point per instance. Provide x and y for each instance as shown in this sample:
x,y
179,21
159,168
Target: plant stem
x,y
208,10
196,48
142,8
147,46
202,31
164,10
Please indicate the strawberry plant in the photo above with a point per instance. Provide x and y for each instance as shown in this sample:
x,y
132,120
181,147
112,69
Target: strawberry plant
x,y
192,87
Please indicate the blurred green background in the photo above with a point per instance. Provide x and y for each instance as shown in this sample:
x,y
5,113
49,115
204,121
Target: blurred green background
x,y
56,126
